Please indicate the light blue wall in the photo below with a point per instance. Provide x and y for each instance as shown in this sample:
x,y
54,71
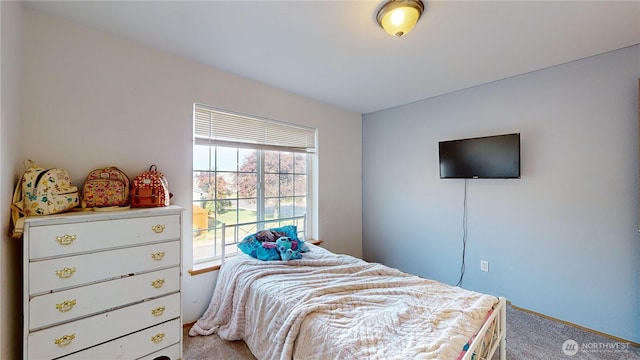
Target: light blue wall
x,y
563,239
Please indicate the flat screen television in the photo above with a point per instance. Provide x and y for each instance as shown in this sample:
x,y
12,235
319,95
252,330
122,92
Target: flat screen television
x,y
489,157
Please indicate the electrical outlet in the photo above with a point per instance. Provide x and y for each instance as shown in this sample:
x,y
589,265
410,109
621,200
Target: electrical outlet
x,y
484,265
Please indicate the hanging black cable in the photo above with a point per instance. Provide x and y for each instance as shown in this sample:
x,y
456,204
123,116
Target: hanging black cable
x,y
464,232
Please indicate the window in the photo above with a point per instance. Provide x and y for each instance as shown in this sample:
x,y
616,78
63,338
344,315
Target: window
x,y
249,174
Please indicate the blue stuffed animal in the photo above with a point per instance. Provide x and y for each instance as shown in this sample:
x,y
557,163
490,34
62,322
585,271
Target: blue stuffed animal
x,y
290,255
285,248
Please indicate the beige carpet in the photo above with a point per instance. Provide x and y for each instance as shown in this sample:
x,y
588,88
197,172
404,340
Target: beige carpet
x,y
212,347
529,337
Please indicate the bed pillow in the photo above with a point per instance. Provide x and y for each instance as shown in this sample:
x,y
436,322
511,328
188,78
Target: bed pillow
x,y
290,231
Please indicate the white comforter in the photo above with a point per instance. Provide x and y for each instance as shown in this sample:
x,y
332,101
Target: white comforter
x,y
328,306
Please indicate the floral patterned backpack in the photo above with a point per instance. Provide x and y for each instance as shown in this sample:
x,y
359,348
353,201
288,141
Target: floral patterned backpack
x,y
105,188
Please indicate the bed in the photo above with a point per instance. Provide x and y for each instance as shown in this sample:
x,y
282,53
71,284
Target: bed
x,y
333,306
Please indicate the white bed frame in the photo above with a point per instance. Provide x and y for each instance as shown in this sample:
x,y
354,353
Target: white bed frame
x,y
491,335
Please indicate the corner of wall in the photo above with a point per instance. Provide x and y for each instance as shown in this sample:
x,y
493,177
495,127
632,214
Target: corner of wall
x,y
11,15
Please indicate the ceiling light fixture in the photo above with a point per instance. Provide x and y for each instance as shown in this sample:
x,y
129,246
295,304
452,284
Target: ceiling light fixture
x,y
398,17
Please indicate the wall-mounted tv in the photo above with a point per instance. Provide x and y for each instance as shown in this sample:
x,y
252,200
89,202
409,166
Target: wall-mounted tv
x,y
489,157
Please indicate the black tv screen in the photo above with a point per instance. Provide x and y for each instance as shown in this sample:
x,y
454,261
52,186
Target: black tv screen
x,y
489,157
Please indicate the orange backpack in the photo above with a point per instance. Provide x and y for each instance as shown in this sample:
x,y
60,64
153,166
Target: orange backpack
x,y
150,189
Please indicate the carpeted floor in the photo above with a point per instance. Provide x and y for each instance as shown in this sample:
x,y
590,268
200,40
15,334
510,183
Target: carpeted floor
x,y
529,337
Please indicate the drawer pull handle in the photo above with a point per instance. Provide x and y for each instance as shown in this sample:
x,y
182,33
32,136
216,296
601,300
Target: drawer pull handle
x,y
65,239
65,273
66,305
157,283
65,340
157,228
157,338
158,255
157,311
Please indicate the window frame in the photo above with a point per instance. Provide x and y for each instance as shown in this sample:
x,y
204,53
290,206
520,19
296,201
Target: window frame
x,y
213,142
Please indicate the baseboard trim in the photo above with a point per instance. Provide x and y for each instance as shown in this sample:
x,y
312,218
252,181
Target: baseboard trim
x,y
608,336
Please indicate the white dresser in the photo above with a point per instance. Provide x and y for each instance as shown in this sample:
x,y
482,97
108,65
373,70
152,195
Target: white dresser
x,y
103,285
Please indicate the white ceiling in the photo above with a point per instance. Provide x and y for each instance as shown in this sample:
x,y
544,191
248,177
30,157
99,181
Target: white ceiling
x,y
334,51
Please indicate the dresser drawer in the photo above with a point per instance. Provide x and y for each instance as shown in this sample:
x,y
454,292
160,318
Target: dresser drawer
x,y
173,352
67,239
65,272
78,335
58,307
155,341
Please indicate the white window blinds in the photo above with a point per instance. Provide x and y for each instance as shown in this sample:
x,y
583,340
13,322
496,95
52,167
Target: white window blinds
x,y
224,128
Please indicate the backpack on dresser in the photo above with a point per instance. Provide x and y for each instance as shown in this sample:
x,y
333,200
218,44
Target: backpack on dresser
x,y
107,187
41,191
150,189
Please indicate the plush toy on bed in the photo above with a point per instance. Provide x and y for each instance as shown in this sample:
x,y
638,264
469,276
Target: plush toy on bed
x,y
287,249
274,244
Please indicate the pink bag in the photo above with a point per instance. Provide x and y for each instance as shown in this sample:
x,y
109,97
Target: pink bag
x,y
105,187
